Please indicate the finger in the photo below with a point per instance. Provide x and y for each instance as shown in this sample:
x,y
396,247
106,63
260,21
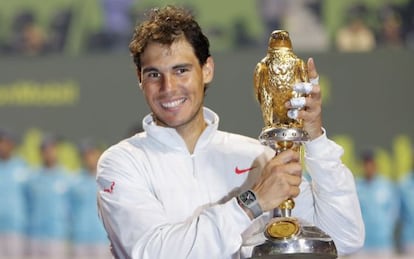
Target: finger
x,y
313,101
293,183
294,192
314,81
289,174
303,87
305,102
286,156
294,180
316,93
293,114
298,102
310,114
312,72
294,170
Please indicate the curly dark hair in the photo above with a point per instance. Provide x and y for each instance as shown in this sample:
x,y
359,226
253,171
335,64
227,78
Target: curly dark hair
x,y
165,25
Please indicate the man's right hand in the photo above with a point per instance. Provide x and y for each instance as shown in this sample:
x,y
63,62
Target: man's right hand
x,y
280,180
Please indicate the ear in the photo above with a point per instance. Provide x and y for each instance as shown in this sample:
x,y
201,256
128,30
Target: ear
x,y
208,70
139,78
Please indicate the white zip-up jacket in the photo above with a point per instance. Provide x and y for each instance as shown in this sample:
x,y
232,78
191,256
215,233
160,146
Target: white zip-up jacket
x,y
157,200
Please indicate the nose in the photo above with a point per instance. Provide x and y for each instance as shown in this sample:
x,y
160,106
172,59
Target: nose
x,y
168,82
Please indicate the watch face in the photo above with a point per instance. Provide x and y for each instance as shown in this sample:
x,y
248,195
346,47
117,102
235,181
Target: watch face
x,y
248,197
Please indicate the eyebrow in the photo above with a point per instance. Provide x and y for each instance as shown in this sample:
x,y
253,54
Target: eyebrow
x,y
178,66
185,65
149,69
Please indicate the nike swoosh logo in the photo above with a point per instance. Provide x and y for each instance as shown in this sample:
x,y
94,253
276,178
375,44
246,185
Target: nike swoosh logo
x,y
110,189
242,171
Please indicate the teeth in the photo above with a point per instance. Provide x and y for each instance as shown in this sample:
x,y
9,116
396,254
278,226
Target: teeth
x,y
173,103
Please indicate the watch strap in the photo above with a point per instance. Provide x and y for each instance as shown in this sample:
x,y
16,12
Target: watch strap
x,y
252,206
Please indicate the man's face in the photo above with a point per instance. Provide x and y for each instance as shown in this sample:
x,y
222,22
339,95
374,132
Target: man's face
x,y
173,83
50,155
90,159
6,148
370,169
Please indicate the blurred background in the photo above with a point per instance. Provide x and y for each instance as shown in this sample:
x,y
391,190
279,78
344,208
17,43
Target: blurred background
x,y
66,72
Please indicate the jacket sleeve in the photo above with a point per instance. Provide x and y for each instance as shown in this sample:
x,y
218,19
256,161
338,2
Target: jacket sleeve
x,y
138,226
330,201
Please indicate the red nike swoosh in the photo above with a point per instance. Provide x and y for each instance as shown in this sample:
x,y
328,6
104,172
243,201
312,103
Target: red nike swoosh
x,y
241,171
110,189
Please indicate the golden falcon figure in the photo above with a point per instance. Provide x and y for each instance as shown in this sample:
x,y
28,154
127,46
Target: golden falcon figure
x,y
274,78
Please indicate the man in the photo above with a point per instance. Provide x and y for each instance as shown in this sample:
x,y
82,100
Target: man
x,y
406,189
88,237
173,191
48,204
13,174
380,202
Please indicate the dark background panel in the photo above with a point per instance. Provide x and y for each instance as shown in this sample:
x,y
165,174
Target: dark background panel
x,y
367,96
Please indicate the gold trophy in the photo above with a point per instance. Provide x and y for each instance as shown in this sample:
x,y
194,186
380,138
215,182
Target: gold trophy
x,y
274,78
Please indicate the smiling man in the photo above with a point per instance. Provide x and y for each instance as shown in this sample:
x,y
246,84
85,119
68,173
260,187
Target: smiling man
x,y
184,189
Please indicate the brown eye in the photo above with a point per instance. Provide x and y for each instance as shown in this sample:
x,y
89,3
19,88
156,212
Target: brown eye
x,y
153,75
181,70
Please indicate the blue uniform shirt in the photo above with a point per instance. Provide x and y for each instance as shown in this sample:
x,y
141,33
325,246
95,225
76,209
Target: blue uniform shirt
x,y
406,187
86,226
380,208
48,204
13,173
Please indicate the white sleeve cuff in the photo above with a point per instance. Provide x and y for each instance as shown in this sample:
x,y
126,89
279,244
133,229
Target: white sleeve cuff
x,y
322,148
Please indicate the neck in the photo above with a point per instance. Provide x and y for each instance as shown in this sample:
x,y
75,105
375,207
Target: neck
x,y
191,137
190,133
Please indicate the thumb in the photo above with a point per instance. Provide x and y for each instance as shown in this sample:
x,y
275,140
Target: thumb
x,y
312,73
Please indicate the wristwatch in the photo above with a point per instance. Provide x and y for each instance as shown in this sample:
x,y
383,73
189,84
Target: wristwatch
x,y
248,200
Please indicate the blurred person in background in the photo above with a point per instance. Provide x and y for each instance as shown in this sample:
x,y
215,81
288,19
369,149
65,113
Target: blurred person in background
x,y
379,202
355,35
407,17
117,22
305,25
88,237
59,27
406,187
27,37
409,33
117,26
291,16
48,204
13,173
391,28
273,13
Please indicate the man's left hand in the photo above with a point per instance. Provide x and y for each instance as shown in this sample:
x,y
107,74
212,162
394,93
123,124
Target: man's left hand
x,y
310,107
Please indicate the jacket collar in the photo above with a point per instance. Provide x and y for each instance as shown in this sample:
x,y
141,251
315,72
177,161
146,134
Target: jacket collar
x,y
169,136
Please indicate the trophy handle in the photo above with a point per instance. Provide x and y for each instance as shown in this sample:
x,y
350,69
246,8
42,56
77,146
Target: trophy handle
x,y
285,226
286,207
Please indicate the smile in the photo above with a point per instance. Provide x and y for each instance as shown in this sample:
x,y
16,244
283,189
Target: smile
x,y
173,104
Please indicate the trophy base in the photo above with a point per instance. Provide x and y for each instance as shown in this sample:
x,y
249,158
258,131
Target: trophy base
x,y
297,256
294,240
281,139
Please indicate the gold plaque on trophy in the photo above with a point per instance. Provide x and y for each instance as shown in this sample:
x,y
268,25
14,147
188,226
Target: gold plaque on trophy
x,y
283,228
